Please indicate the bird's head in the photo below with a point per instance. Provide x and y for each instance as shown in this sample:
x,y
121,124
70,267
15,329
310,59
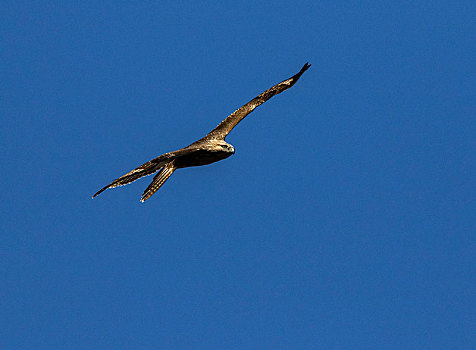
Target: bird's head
x,y
224,146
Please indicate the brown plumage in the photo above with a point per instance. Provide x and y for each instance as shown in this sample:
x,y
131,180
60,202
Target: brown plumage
x,y
208,149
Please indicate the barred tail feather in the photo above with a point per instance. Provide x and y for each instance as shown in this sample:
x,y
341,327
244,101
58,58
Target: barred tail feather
x,y
158,181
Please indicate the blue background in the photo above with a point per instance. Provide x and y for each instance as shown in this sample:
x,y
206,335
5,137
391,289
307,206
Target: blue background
x,y
345,219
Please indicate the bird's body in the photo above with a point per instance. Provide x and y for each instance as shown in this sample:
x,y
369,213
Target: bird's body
x,y
209,149
204,152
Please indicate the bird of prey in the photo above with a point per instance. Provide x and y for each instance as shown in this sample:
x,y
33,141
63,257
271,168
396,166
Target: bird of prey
x,y
207,150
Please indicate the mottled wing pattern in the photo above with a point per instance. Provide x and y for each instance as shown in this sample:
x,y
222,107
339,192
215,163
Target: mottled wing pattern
x,y
158,181
144,170
224,128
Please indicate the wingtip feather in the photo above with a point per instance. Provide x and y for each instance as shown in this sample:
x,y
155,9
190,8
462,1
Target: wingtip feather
x,y
100,191
305,67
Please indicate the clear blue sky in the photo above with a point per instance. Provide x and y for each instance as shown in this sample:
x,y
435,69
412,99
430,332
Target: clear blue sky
x,y
345,220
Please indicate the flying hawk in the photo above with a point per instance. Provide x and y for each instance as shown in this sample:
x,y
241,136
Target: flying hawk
x,y
207,150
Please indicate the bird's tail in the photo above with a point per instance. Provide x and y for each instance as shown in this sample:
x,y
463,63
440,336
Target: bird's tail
x,y
158,181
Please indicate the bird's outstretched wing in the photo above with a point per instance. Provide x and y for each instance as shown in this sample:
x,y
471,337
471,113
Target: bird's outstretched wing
x,y
224,128
144,170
